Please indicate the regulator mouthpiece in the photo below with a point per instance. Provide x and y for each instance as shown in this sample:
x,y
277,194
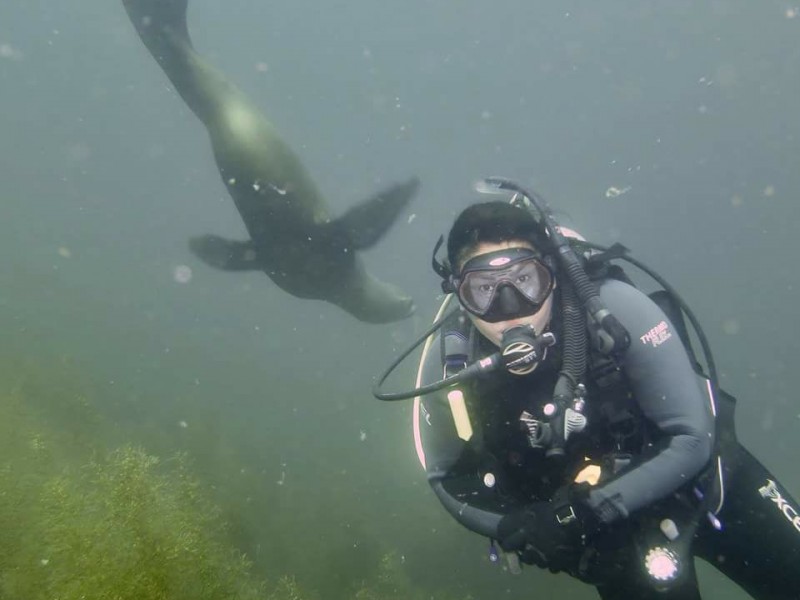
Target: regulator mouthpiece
x,y
523,350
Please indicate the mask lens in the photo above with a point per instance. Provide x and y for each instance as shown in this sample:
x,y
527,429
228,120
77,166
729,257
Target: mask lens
x,y
480,283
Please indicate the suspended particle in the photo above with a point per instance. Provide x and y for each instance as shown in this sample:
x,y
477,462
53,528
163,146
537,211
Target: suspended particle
x,y
280,191
182,274
9,52
731,326
614,192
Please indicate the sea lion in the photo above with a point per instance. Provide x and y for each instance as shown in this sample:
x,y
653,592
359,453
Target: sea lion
x,y
292,237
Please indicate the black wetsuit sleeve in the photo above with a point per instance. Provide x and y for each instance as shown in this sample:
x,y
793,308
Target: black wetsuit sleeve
x,y
670,396
451,463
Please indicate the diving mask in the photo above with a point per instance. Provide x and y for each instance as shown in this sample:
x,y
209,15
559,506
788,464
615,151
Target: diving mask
x,y
504,284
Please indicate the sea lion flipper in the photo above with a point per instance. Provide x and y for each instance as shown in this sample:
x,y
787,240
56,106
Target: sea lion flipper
x,y
228,255
366,223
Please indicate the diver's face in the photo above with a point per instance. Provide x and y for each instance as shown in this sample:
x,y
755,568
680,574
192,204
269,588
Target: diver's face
x,y
494,331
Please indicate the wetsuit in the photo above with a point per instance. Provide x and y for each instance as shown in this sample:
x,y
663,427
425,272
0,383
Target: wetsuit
x,y
652,433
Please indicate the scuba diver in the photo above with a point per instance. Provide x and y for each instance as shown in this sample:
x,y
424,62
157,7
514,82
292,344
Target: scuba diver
x,y
562,413
292,237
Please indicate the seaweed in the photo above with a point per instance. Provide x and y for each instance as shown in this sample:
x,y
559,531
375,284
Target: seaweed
x,y
120,524
84,518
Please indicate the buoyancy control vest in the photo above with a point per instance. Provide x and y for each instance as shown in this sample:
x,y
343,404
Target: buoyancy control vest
x,y
621,427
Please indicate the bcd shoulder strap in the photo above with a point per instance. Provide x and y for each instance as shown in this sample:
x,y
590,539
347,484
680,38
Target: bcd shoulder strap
x,y
455,346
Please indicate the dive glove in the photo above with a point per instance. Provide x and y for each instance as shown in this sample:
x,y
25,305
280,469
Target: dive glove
x,y
549,534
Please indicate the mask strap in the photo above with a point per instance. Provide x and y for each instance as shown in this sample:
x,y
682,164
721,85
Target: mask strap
x,y
442,269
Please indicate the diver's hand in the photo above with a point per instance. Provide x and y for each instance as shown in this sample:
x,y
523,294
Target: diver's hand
x,y
549,534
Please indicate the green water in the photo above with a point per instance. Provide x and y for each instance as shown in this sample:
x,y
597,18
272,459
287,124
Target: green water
x,y
229,427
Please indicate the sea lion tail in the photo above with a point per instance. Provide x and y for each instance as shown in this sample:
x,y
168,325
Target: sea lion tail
x,y
374,301
367,222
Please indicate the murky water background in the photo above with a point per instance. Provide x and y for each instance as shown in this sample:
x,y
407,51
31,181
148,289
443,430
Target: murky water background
x,y
670,127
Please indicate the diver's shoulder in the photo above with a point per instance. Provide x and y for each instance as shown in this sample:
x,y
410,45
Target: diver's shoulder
x,y
611,287
620,296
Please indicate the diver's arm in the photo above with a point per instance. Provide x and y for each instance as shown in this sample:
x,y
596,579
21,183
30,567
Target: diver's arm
x,y
669,394
452,465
